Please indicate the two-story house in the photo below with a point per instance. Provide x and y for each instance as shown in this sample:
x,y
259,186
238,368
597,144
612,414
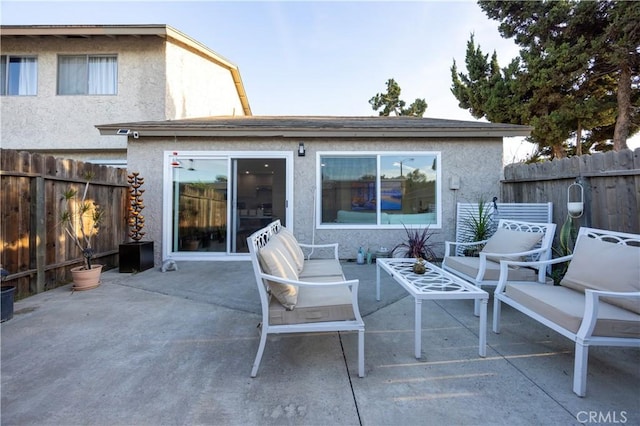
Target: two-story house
x,y
58,81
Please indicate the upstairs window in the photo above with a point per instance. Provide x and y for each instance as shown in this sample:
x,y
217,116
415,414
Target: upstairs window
x,y
19,75
87,75
388,190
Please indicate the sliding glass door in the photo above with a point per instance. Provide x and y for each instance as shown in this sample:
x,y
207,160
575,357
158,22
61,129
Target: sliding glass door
x,y
217,201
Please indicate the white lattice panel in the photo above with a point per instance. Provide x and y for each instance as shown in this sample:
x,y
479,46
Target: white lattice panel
x,y
529,212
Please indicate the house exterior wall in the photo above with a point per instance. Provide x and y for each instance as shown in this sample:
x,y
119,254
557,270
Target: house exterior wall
x,y
197,87
48,121
477,162
156,81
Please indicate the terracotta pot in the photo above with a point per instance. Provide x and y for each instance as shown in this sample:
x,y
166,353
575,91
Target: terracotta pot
x,y
86,279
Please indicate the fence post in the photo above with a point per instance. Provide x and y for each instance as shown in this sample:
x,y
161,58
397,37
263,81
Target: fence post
x,y
37,243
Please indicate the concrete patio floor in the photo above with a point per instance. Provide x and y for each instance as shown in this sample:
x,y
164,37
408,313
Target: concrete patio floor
x,y
177,348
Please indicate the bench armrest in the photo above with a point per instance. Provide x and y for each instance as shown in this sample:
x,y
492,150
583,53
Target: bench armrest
x,y
592,303
334,246
448,245
352,286
483,255
504,268
350,283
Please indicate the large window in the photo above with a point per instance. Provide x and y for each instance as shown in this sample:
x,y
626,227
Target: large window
x,y
19,75
87,74
382,190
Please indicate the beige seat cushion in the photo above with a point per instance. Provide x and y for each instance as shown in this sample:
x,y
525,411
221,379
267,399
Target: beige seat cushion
x,y
565,307
315,304
601,265
470,265
276,260
509,241
320,267
291,243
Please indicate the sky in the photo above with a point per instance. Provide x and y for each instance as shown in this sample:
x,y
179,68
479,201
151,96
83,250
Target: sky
x,y
314,57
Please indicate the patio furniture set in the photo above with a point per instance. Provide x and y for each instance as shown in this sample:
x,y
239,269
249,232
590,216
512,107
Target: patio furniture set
x,y
596,303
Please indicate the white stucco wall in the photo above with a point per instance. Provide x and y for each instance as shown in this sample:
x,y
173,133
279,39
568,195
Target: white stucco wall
x,y
197,87
50,121
154,83
478,164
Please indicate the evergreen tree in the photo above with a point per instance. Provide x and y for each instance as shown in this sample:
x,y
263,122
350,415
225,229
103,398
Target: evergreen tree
x,y
390,102
576,77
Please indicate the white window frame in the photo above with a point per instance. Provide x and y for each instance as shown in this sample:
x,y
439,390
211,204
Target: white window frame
x,y
86,91
377,154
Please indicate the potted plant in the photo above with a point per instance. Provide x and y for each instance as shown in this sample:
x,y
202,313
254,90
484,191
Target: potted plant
x,y
419,267
135,256
81,222
477,226
416,245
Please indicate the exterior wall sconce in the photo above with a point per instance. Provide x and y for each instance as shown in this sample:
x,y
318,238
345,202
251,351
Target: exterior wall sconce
x,y
301,150
576,207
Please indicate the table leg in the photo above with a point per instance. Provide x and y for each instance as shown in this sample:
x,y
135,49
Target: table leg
x,y
418,329
483,328
377,282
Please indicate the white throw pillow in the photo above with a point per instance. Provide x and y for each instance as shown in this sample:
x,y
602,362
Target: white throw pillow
x,y
276,260
291,243
508,241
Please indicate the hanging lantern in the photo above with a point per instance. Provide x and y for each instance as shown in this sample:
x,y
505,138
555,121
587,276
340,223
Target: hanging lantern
x,y
576,207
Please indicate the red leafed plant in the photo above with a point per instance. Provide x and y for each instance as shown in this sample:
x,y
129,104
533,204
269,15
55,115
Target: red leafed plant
x,y
416,246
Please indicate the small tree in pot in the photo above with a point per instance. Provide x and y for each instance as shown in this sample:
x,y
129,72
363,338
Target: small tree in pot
x,y
478,226
81,222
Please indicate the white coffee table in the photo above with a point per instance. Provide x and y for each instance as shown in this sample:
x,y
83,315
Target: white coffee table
x,y
434,284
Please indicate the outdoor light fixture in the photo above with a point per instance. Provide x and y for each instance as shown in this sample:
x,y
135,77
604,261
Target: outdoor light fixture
x,y
127,132
174,161
575,208
301,150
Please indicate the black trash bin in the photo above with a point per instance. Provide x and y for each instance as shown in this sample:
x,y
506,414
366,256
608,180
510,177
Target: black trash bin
x,y
6,307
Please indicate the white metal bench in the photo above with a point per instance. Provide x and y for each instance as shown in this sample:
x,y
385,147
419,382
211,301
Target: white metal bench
x,y
301,295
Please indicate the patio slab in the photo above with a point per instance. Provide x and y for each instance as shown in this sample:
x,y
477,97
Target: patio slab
x,y
176,348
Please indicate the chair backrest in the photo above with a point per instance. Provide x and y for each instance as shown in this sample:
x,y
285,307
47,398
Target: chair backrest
x,y
255,242
548,229
528,212
610,236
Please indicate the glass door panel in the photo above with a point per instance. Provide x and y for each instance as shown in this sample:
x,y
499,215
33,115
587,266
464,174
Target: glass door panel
x,y
200,205
259,191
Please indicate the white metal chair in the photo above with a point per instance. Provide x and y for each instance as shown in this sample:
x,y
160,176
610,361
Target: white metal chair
x,y
513,240
597,302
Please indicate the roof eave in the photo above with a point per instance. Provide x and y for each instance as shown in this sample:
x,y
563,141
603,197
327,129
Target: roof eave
x,y
184,131
160,30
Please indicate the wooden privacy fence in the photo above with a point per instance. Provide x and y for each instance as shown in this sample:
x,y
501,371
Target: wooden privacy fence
x,y
35,251
611,183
